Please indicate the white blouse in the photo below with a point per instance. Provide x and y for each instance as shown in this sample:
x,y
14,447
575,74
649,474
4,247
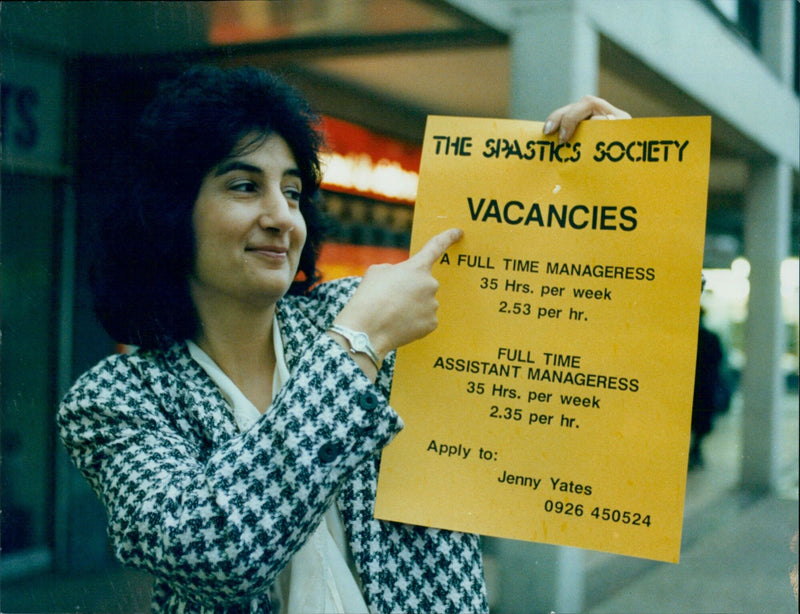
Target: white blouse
x,y
321,577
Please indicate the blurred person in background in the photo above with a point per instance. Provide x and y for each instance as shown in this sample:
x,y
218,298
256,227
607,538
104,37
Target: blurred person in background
x,y
712,388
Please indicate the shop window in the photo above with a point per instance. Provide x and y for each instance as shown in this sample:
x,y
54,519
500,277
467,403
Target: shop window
x,y
362,221
369,188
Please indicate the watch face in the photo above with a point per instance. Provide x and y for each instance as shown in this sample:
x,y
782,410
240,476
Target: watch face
x,y
360,341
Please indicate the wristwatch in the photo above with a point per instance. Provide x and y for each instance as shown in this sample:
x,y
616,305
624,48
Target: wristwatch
x,y
359,342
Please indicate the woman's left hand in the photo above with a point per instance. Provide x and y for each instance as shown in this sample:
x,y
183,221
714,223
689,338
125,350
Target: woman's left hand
x,y
566,119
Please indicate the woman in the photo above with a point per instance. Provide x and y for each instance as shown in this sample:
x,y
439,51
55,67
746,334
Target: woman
x,y
236,451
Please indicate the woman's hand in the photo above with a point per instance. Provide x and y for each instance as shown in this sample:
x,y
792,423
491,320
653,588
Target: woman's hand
x,y
396,304
566,119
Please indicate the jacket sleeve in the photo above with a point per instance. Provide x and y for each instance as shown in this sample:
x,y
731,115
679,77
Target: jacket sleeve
x,y
218,521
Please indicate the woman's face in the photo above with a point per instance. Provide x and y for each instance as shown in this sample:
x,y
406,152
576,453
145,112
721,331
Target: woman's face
x,y
248,228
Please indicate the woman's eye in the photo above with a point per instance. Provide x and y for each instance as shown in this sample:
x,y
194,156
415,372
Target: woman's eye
x,y
242,186
292,193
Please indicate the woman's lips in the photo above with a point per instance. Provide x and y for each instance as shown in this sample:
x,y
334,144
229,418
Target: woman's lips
x,y
273,251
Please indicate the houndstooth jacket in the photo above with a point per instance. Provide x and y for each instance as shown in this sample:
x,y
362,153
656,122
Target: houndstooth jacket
x,y
214,514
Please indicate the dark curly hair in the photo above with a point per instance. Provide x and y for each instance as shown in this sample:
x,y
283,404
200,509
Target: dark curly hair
x,y
147,247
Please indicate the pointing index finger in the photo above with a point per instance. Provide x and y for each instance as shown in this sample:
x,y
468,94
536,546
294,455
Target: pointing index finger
x,y
436,246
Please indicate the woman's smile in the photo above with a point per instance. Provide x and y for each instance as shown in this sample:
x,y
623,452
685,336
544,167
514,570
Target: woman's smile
x,y
275,252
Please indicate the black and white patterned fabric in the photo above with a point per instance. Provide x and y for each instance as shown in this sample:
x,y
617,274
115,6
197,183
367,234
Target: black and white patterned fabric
x,y
214,515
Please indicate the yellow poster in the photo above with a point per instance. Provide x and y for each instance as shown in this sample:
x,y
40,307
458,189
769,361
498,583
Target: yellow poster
x,y
553,402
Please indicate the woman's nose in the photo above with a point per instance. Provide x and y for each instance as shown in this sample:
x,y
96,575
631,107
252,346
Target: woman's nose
x,y
275,211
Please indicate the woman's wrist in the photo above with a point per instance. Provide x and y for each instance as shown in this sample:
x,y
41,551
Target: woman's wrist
x,y
357,320
364,362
